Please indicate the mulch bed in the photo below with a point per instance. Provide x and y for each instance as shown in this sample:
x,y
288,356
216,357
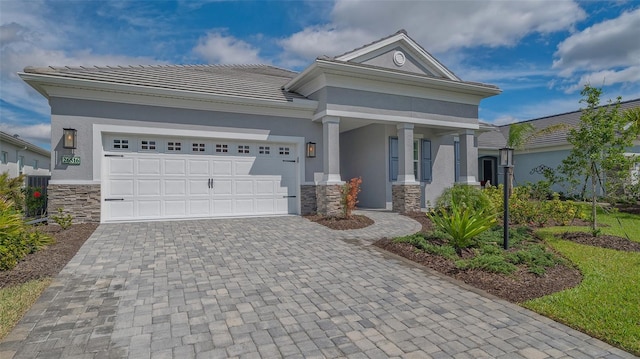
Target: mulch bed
x,y
49,261
517,287
603,241
356,221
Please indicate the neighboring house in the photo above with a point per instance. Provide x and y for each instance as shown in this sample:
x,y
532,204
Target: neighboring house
x,y
18,156
548,150
170,142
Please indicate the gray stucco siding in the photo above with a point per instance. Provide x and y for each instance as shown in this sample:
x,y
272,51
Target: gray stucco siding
x,y
363,155
83,114
386,60
410,106
525,163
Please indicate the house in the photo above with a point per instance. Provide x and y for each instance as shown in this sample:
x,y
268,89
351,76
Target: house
x,y
545,151
18,156
171,142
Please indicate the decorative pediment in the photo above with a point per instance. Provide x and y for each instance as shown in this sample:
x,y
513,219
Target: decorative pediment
x,y
398,52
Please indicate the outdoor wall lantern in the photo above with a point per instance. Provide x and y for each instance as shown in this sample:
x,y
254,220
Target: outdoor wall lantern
x,y
506,161
69,138
311,149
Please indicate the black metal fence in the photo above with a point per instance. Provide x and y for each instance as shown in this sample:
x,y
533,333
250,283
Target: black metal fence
x,y
39,184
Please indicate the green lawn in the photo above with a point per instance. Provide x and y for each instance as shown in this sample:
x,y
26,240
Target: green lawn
x,y
16,300
606,304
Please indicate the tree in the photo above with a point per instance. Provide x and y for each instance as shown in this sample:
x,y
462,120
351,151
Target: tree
x,y
598,144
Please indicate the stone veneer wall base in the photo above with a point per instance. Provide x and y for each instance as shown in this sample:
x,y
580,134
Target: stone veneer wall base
x,y
406,198
308,202
81,201
329,200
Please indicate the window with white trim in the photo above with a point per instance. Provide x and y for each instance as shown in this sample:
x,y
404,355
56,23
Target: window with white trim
x,y
147,145
222,148
5,157
264,150
198,147
174,146
120,144
35,164
243,148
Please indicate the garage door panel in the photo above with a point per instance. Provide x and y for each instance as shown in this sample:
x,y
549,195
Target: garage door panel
x,y
244,206
199,207
222,187
121,187
222,207
243,167
264,187
265,205
148,187
175,187
222,167
175,208
148,166
199,187
120,166
175,167
198,167
149,208
244,187
119,210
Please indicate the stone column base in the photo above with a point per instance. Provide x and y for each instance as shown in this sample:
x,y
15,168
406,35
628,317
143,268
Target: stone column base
x,y
329,200
80,201
406,197
308,202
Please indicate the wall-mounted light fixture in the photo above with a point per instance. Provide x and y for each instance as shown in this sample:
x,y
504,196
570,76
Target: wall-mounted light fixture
x,y
311,149
69,138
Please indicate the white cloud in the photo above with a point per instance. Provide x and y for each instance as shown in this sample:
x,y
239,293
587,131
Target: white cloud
x,y
218,48
439,26
606,78
611,43
37,133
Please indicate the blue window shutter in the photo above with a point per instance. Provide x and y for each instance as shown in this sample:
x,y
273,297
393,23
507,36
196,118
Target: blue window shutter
x,y
456,153
426,161
393,159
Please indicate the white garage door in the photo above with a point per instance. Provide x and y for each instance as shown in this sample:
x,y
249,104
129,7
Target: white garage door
x,y
175,179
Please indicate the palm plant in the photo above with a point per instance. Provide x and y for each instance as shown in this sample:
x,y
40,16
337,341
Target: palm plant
x,y
463,223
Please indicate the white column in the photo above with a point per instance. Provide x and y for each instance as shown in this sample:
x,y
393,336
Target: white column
x,y
405,154
468,158
331,150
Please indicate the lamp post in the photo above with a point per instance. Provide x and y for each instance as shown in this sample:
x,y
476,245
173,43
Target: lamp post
x,y
506,161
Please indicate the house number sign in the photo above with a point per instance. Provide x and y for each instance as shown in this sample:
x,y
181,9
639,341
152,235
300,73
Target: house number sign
x,y
71,160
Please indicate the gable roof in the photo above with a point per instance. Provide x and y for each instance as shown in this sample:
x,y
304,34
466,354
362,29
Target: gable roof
x,y
17,141
399,38
262,82
498,138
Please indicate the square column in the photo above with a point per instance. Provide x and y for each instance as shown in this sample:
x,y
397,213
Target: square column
x,y
405,191
329,190
468,158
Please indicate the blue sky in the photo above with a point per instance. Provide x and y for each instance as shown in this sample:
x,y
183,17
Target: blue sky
x,y
541,53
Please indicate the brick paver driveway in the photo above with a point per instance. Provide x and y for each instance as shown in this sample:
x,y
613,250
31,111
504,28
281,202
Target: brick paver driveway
x,y
270,288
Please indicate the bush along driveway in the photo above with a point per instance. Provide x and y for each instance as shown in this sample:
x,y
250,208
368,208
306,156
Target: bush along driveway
x,y
271,288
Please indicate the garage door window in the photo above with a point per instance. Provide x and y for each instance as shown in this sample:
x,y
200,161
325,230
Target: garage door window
x,y
147,145
173,146
222,148
120,144
284,151
198,147
264,150
244,149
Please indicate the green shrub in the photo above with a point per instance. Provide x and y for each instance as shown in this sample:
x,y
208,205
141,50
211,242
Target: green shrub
x,y
462,224
16,238
494,263
62,219
464,196
419,241
11,189
34,200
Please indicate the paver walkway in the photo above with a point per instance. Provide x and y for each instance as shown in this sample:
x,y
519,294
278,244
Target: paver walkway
x,y
271,288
